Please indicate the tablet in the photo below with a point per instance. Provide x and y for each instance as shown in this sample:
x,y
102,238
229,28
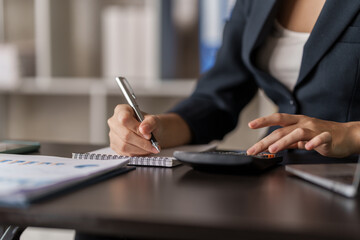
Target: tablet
x,y
17,147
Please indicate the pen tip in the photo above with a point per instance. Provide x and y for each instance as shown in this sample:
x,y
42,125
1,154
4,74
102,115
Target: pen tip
x,y
157,147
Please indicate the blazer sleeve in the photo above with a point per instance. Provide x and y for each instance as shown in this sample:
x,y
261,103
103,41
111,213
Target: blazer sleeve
x,y
213,108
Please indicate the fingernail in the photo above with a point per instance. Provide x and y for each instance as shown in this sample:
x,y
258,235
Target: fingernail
x,y
273,148
252,124
154,150
250,151
147,136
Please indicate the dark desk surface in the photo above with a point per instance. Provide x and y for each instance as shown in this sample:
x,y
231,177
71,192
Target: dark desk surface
x,y
181,203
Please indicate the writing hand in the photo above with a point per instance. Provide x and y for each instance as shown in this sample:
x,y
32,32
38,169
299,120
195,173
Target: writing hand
x,y
128,136
329,138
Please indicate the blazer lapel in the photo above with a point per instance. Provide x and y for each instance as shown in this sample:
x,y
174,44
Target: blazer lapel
x,y
333,19
257,23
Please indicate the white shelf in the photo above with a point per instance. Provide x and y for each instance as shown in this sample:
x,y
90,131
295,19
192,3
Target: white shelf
x,y
163,88
89,86
98,91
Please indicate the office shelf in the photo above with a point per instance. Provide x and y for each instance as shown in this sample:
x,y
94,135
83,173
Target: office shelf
x,y
89,86
91,96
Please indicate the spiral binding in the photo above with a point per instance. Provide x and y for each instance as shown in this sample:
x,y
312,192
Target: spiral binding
x,y
144,161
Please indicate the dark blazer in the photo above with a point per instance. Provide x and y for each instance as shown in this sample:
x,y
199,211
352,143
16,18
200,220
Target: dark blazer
x,y
328,86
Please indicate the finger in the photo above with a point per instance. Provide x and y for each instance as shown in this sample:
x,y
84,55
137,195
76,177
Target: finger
x,y
276,119
148,126
120,128
120,148
322,138
129,147
131,138
124,149
297,135
123,108
294,146
298,145
124,117
128,136
301,144
124,129
264,143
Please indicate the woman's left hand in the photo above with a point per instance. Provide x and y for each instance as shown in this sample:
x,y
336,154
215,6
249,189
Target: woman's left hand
x,y
332,139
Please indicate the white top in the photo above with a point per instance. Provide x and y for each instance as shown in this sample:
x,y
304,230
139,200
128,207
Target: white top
x,y
281,54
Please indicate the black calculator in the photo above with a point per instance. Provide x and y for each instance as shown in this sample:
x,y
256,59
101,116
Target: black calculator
x,y
229,161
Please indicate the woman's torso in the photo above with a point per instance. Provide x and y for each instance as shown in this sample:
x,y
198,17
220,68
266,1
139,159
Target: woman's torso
x,y
281,53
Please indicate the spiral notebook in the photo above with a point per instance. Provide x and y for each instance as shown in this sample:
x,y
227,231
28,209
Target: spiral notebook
x,y
163,159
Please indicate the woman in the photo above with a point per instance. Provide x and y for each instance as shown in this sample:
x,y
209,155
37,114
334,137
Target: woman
x,y
304,54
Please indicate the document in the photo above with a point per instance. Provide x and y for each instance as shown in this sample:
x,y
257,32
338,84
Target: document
x,y
27,177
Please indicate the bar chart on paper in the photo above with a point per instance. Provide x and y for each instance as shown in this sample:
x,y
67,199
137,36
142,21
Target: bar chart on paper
x,y
25,177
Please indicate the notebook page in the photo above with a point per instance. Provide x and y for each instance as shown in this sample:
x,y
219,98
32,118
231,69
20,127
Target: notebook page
x,y
168,152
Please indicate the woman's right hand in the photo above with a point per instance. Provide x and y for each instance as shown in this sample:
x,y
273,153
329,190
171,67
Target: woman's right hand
x,y
128,136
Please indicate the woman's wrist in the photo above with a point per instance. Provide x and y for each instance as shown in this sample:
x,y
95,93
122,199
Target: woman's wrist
x,y
175,131
354,136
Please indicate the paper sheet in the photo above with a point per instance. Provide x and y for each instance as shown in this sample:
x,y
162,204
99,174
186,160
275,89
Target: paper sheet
x,y
21,175
166,152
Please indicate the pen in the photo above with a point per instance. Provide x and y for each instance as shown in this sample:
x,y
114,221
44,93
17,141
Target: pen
x,y
131,99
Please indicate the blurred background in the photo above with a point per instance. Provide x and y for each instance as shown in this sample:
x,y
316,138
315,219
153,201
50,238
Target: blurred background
x,y
58,60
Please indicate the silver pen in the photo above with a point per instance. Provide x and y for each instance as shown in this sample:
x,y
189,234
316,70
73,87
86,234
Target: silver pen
x,y
131,99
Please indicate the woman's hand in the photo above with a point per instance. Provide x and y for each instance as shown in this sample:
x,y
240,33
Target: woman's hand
x,y
331,139
130,137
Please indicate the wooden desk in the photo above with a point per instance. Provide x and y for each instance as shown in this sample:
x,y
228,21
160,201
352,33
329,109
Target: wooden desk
x,y
181,203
